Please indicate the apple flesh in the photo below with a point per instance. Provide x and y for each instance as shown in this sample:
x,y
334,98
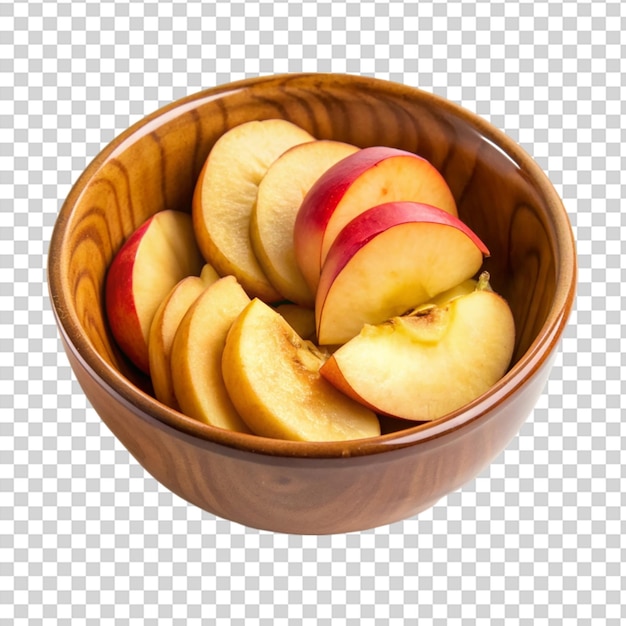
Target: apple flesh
x,y
280,195
163,329
420,367
388,260
273,379
157,255
462,289
196,358
225,195
358,182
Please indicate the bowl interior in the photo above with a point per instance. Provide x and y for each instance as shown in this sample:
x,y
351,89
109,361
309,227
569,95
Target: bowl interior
x,y
500,192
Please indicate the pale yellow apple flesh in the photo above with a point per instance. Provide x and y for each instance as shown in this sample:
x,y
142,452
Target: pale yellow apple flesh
x,y
273,378
163,329
362,180
225,195
196,357
424,366
280,195
389,260
462,289
160,253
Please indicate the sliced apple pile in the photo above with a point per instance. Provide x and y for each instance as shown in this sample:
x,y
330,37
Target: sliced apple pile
x,y
362,180
197,355
226,193
278,201
313,288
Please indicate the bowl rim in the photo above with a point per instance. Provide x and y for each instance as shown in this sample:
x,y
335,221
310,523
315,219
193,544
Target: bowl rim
x,y
138,401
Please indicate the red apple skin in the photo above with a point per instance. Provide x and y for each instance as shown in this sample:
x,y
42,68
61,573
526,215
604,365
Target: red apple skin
x,y
331,372
157,255
121,311
366,227
377,220
325,195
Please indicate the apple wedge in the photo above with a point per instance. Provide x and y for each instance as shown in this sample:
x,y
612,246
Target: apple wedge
x,y
157,255
196,357
423,366
226,192
362,180
388,260
273,379
163,329
280,195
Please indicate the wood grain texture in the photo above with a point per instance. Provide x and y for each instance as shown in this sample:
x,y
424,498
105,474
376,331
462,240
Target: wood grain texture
x,y
500,192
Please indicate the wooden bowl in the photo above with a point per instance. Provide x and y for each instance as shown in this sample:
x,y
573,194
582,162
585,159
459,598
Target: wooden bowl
x,y
315,488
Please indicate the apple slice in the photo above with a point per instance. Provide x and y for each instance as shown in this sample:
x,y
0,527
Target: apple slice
x,y
300,318
280,195
362,180
160,253
420,367
226,192
273,379
197,355
389,260
163,329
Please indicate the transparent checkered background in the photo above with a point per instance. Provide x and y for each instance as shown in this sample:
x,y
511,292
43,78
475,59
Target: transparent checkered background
x,y
88,538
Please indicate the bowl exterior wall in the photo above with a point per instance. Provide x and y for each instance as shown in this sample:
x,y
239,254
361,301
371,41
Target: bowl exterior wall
x,y
310,495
